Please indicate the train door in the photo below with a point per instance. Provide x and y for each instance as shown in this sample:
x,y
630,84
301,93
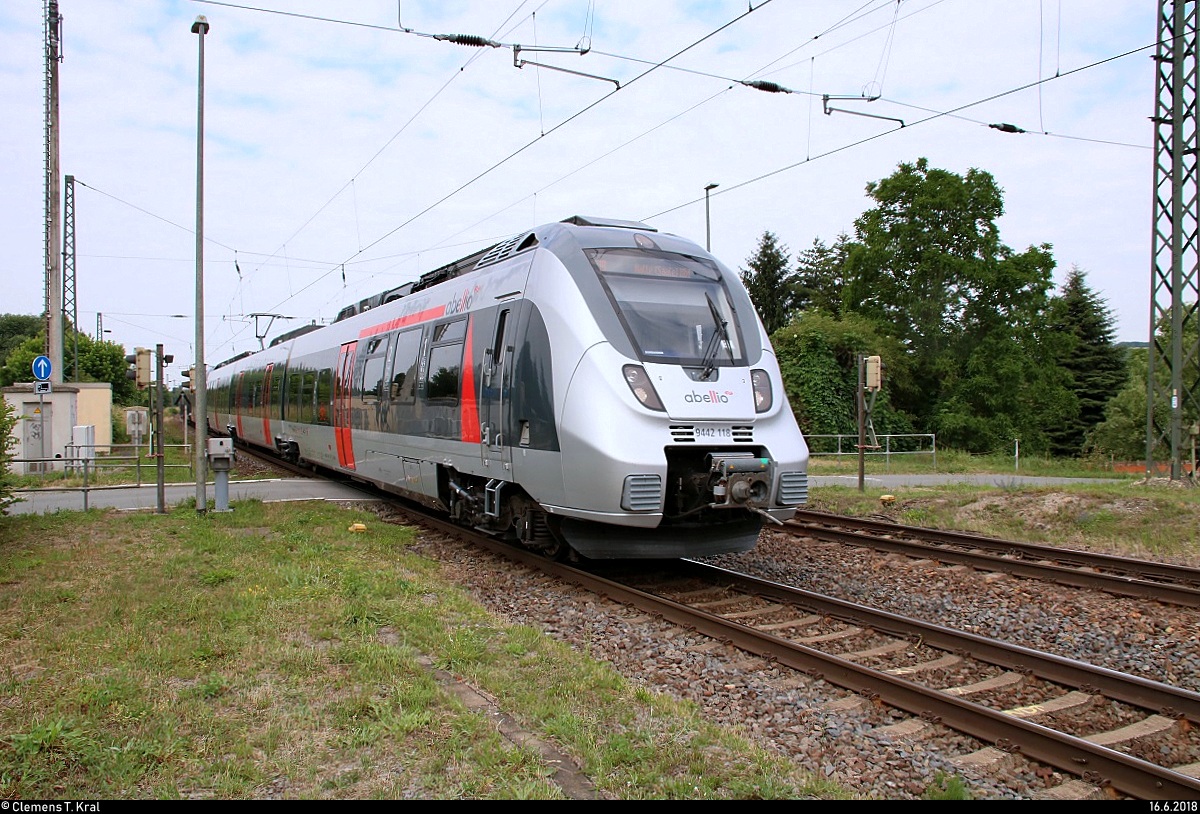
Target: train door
x,y
341,405
494,391
266,403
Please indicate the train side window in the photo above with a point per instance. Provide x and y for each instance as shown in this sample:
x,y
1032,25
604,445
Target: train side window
x,y
324,396
276,394
404,366
256,385
445,362
292,402
498,345
371,383
307,397
449,331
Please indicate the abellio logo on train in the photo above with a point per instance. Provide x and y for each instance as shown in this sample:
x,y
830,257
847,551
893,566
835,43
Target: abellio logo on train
x,y
711,397
462,302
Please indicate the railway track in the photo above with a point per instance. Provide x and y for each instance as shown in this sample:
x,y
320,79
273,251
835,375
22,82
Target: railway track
x,y
1114,735
1122,576
1023,702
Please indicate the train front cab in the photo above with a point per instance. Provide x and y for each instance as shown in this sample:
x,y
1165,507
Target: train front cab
x,y
673,422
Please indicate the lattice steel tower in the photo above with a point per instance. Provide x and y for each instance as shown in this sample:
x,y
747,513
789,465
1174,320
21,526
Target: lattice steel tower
x,y
70,308
1172,398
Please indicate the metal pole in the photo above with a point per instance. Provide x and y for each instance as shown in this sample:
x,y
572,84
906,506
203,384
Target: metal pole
x,y
862,424
158,418
199,376
54,282
42,433
707,219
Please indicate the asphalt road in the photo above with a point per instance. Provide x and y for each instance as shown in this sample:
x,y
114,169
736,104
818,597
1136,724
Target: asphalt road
x,y
138,498
43,501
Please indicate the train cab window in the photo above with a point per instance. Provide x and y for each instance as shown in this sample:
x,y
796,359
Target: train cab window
x,y
674,308
407,348
445,361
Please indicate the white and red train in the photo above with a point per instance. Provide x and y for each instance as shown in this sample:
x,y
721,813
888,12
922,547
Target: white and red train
x,y
589,387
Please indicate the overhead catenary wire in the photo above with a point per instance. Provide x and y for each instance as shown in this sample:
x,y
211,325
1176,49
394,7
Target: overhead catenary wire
x,y
530,143
358,259
762,85
582,47
936,115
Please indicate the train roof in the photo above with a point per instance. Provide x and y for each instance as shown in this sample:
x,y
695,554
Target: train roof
x,y
295,332
484,257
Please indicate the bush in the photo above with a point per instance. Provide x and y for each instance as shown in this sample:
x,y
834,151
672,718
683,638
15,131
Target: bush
x,y
8,438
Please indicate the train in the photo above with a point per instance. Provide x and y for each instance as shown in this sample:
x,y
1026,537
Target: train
x,y
590,388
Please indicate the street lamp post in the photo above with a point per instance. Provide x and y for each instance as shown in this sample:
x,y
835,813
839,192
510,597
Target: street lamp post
x,y
200,27
707,219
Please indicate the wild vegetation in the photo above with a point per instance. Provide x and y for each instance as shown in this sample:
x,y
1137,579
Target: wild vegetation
x,y
978,347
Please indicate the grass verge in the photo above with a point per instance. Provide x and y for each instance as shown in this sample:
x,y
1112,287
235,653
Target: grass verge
x,y
271,652
1155,520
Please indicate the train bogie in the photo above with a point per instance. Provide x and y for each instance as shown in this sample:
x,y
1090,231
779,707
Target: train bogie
x,y
587,387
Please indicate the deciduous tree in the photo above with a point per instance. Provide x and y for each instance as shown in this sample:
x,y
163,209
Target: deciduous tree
x,y
927,263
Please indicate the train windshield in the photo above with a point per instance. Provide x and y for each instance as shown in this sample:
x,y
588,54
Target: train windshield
x,y
674,307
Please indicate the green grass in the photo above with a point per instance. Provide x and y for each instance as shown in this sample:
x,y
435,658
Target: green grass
x,y
1130,517
269,651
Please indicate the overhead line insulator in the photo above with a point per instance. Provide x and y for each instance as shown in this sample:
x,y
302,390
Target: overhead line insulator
x,y
769,87
473,40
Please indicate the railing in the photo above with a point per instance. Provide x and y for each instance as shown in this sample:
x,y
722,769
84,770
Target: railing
x,y
845,444
80,458
45,466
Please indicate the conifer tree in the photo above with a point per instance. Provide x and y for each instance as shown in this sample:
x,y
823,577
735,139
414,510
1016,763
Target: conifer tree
x,y
1097,365
769,282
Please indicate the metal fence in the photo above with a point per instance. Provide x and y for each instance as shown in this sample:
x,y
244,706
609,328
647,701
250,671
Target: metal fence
x,y
885,446
80,459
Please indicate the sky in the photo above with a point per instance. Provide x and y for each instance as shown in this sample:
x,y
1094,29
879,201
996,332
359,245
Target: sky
x,y
350,147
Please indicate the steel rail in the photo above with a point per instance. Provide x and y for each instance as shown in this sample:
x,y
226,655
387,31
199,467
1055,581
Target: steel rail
x,y
1095,571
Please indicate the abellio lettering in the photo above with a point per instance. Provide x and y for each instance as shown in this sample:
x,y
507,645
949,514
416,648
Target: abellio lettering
x,y
711,397
462,302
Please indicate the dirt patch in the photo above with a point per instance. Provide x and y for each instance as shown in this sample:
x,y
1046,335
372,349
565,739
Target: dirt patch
x,y
1037,510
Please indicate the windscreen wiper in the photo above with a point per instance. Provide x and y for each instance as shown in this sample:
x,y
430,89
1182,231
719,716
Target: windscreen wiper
x,y
721,335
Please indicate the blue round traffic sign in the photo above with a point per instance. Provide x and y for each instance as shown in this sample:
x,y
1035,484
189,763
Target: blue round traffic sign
x,y
42,368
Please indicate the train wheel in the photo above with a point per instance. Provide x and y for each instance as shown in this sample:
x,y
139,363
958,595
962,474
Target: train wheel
x,y
534,530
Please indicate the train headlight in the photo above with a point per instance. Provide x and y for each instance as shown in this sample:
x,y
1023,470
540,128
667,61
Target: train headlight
x,y
762,390
643,390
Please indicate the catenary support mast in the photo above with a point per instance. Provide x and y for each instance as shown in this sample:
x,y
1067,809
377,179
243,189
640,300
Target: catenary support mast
x,y
1172,381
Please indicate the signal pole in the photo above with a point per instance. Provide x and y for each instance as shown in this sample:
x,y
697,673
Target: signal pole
x,y
158,418
860,405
